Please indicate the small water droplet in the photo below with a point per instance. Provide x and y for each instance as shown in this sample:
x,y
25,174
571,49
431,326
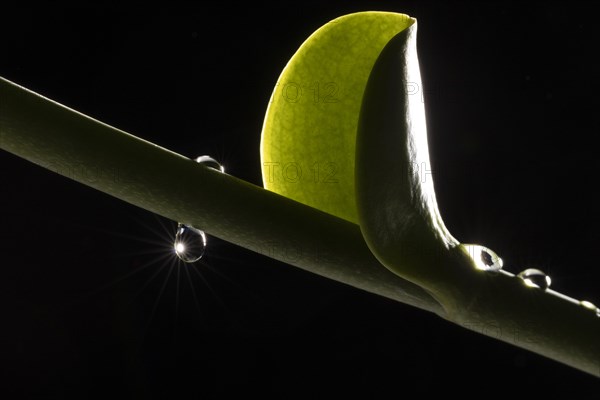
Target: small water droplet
x,y
210,162
484,258
589,305
189,244
535,278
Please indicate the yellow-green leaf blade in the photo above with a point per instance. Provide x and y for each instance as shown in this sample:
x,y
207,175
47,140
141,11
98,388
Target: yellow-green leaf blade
x,y
309,135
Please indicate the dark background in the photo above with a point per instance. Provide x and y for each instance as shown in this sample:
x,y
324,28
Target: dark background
x,y
512,104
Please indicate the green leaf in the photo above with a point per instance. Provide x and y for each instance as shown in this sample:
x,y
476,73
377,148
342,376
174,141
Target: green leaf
x,y
309,134
372,138
359,66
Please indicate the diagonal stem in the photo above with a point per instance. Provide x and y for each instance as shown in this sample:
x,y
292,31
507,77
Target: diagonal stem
x,y
163,182
141,173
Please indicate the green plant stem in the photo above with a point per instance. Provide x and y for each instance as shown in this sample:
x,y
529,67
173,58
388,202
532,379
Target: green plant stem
x,y
168,184
163,182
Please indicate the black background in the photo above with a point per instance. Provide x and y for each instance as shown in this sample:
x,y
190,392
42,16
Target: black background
x,y
512,102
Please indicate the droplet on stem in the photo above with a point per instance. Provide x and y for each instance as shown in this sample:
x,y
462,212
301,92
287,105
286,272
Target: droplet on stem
x,y
484,258
190,243
210,162
535,278
589,305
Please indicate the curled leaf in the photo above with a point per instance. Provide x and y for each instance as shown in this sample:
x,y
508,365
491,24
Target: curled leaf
x,y
397,208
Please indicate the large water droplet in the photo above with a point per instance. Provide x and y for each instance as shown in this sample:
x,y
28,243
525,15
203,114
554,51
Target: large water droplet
x,y
210,162
189,244
535,278
484,258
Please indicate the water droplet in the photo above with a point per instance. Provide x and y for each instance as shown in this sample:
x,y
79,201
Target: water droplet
x,y
189,244
484,258
589,306
210,162
535,278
